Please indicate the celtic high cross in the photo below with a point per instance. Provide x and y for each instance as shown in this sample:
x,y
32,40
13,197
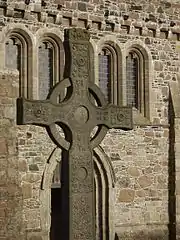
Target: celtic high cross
x,y
78,115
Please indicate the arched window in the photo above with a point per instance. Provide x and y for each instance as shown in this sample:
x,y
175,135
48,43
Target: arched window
x,y
16,52
46,68
105,73
135,86
132,71
13,53
108,73
50,66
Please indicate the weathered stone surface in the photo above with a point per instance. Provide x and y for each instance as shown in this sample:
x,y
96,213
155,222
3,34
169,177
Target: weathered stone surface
x,y
33,167
27,190
36,238
31,177
144,181
3,146
140,193
22,166
126,195
133,171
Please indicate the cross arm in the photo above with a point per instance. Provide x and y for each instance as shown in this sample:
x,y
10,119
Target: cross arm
x,y
115,117
39,112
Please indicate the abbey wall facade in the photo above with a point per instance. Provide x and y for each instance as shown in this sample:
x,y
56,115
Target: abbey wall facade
x,y
139,170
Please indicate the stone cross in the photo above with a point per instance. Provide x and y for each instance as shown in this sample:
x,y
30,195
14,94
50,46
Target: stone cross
x,y
78,115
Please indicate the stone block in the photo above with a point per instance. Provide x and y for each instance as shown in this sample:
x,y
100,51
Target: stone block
x,y
35,238
126,195
2,213
144,181
3,146
31,177
22,165
133,171
82,6
140,193
33,167
27,190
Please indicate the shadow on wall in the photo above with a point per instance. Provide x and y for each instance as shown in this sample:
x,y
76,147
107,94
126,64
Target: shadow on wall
x,y
171,174
116,237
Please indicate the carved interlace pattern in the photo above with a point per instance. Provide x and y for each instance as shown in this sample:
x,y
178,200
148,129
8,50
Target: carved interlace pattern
x,y
80,64
77,34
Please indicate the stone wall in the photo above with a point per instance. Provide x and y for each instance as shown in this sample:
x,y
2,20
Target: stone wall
x,y
11,196
143,159
152,18
140,160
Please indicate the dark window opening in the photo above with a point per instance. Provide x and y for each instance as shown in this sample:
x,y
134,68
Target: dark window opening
x,y
105,73
13,54
132,72
15,58
46,71
55,232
